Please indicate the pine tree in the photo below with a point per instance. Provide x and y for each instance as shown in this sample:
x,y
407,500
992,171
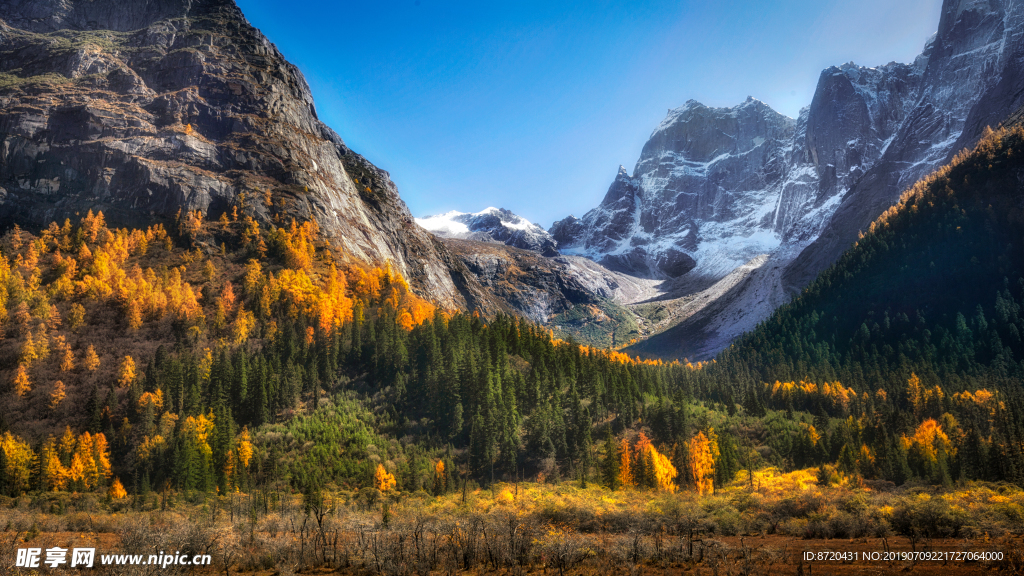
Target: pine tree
x,y
610,466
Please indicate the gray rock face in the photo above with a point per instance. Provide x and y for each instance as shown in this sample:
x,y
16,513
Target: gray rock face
x,y
491,225
705,174
726,185
144,108
568,293
972,76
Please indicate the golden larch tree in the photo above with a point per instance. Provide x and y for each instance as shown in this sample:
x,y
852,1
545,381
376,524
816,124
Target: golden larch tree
x,y
641,461
927,440
244,449
76,317
701,463
439,478
134,314
58,395
663,471
126,372
18,458
22,384
67,360
914,393
117,491
92,360
382,479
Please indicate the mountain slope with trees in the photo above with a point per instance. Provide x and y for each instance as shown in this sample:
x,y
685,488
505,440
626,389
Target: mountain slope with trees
x,y
934,287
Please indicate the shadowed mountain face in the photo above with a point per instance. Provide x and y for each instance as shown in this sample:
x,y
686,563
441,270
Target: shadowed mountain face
x,y
721,190
145,108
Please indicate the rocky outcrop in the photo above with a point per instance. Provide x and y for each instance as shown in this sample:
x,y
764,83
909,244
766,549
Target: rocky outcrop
x,y
142,109
575,296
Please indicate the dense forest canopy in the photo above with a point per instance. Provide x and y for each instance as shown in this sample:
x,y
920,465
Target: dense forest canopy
x,y
221,356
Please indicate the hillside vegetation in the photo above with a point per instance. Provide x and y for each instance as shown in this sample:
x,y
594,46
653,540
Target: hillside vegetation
x,y
154,369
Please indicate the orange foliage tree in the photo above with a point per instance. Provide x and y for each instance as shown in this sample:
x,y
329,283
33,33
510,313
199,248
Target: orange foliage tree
x,y
22,384
117,491
440,482
625,465
383,480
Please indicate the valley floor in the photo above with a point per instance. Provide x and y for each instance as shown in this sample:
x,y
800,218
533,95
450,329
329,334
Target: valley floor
x,y
764,523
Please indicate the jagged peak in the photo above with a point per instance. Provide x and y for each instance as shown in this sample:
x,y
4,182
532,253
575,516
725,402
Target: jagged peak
x,y
692,106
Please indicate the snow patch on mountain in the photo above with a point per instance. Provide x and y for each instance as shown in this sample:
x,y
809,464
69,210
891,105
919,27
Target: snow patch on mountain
x,y
490,225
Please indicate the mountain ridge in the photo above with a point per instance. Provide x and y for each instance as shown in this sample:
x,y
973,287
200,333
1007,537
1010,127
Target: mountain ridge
x,y
722,187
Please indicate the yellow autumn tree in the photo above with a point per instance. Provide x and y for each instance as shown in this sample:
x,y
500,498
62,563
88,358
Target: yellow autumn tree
x,y
927,440
53,475
58,395
134,314
209,270
914,393
29,352
625,465
701,463
92,360
117,491
190,224
126,372
642,473
101,456
382,479
152,400
22,385
242,326
245,451
662,470
227,297
18,458
440,483
253,277
67,360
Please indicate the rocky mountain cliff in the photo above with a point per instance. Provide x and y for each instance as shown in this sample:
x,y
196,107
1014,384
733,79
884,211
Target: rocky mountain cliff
x,y
142,109
491,225
741,207
146,108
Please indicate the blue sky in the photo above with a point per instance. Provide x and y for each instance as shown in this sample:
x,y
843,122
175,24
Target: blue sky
x,y
532,106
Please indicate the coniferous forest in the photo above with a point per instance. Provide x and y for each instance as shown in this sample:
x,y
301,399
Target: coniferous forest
x,y
201,367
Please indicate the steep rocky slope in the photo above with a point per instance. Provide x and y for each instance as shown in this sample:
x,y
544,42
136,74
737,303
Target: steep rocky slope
x,y
576,297
147,109
142,109
721,191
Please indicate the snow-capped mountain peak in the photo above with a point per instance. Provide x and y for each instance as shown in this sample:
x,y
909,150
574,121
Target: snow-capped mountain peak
x,y
716,189
490,225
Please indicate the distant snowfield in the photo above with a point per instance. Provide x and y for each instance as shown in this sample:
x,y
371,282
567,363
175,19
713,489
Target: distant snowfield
x,y
490,224
445,223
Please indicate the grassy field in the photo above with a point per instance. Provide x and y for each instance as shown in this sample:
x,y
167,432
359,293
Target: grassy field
x,y
763,523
